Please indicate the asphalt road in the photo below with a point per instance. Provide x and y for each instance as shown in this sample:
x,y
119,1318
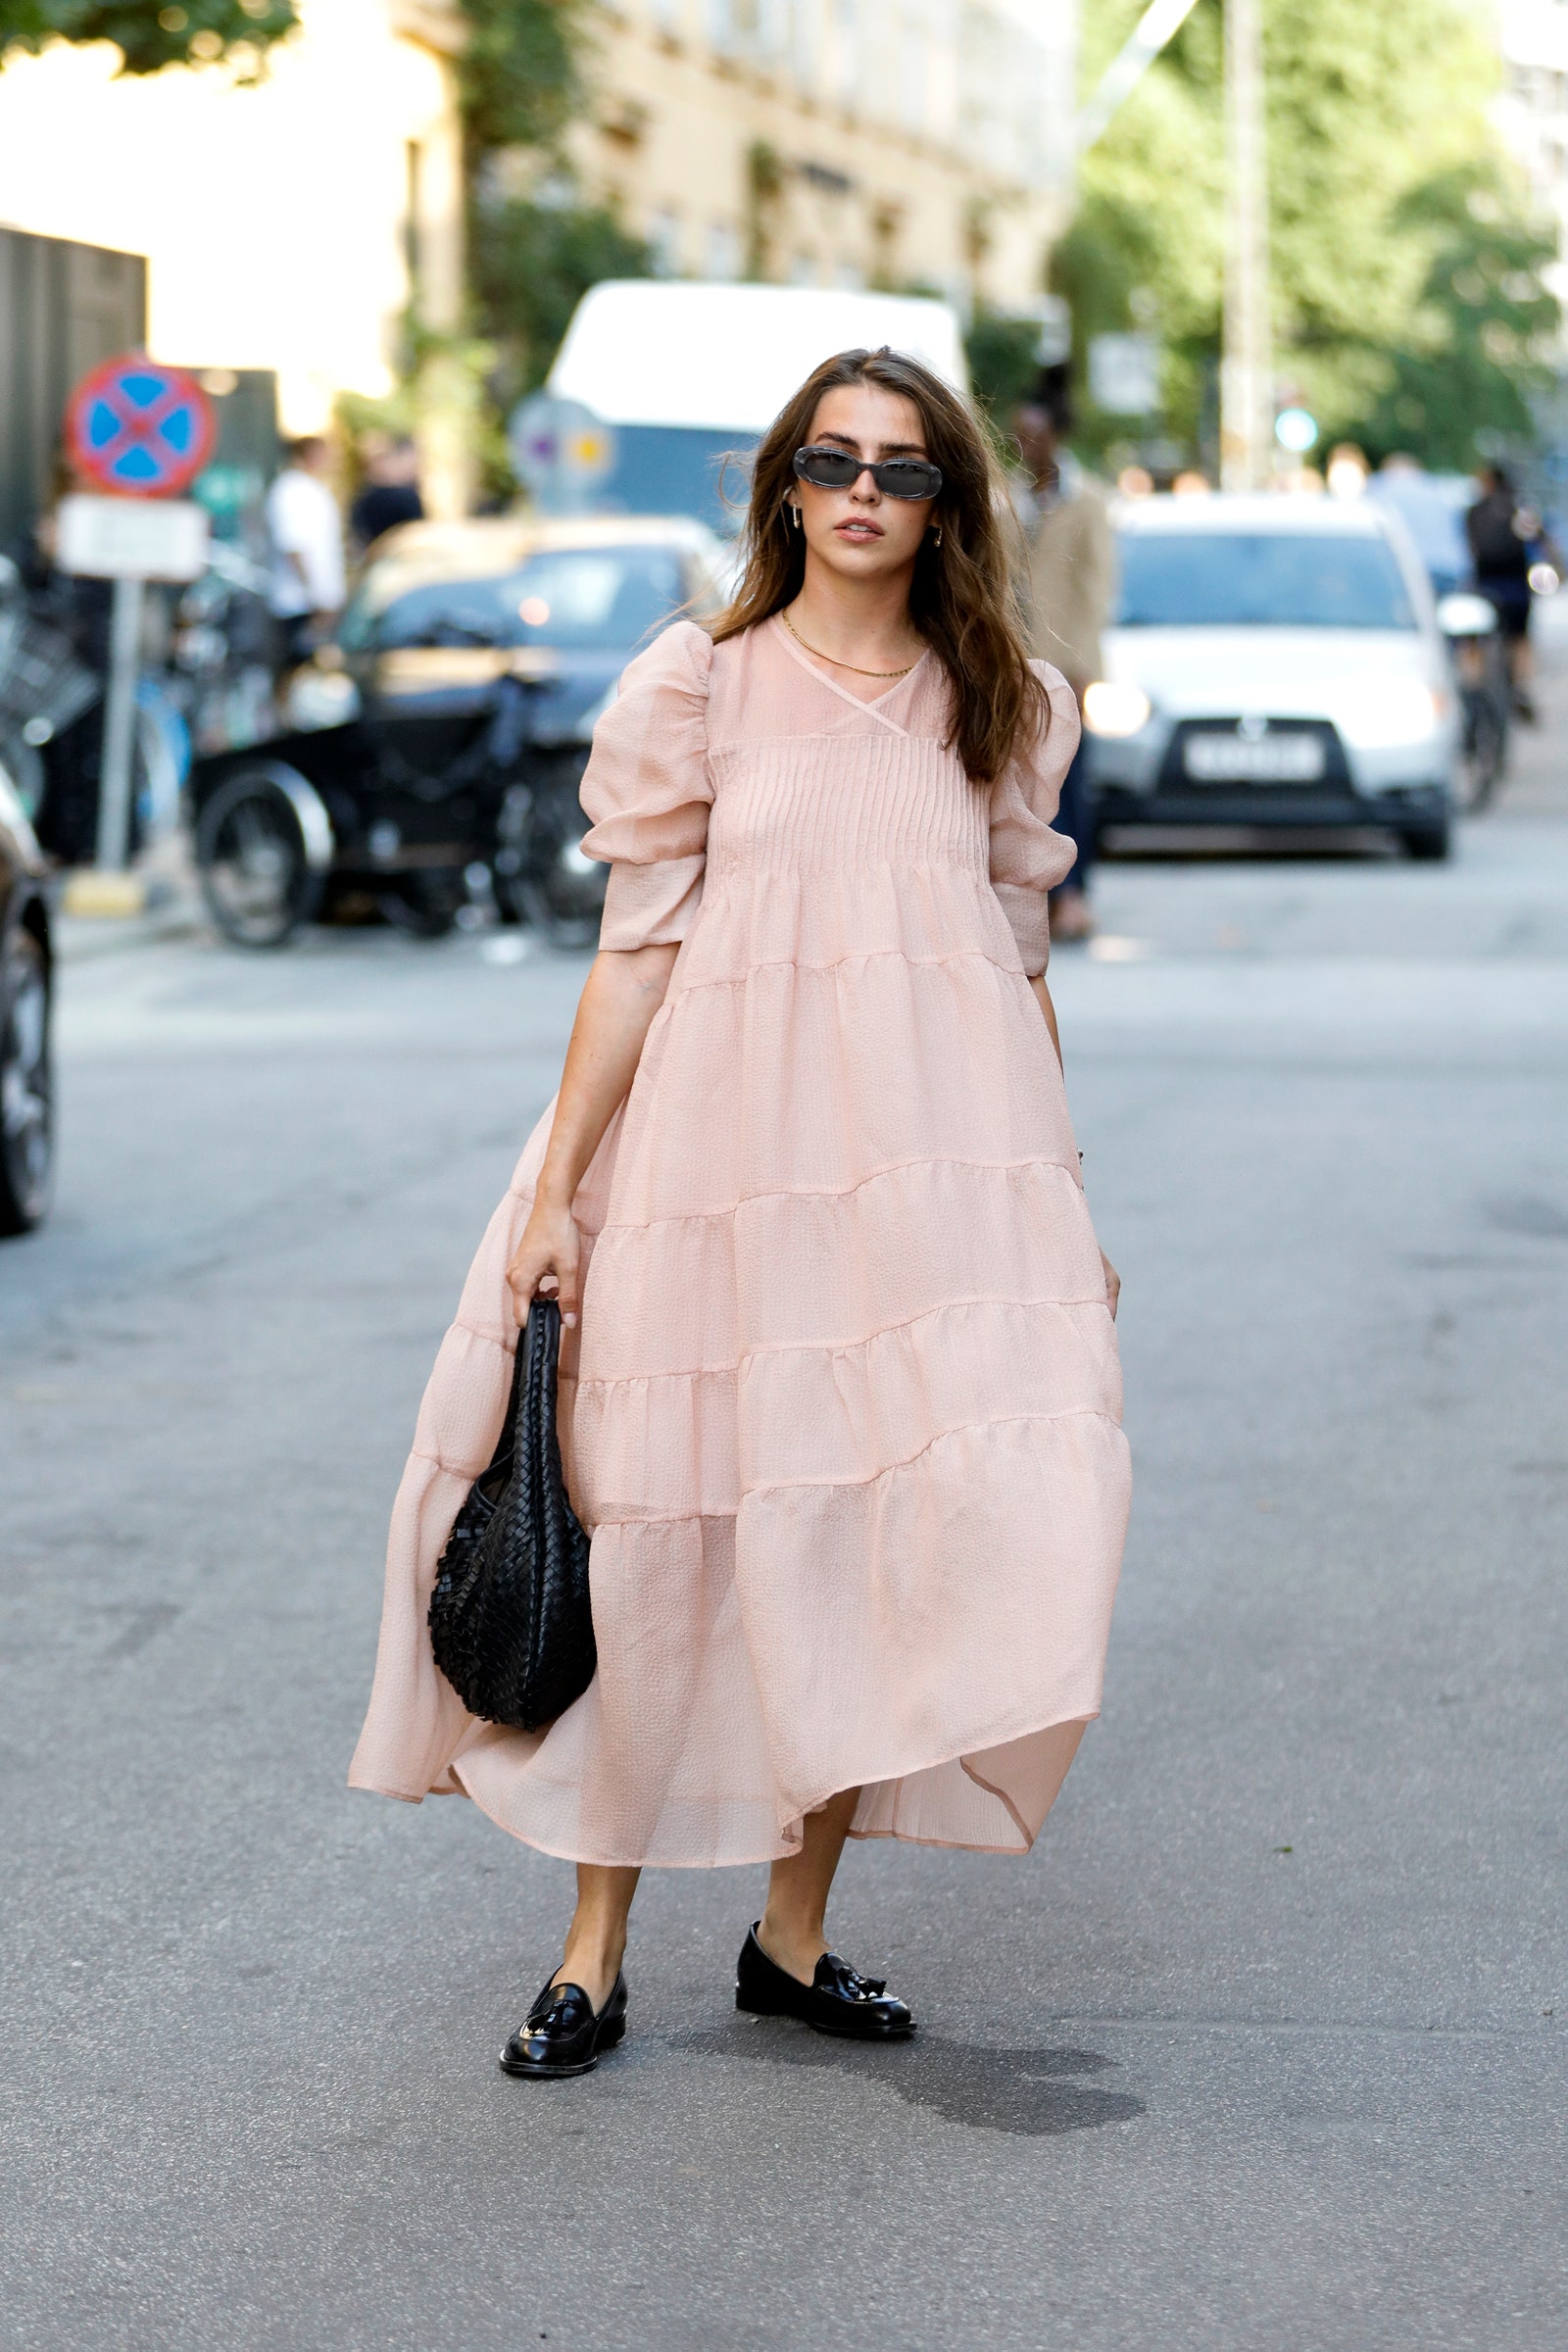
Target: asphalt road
x,y
1261,2048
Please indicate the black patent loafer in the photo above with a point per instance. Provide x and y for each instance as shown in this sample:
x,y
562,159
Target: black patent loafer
x,y
562,2036
838,2000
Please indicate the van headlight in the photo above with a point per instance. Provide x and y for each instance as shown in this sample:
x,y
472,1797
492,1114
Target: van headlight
x,y
1113,709
1380,714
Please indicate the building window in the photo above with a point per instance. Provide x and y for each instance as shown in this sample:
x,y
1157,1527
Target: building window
x,y
846,50
664,241
737,27
723,250
912,51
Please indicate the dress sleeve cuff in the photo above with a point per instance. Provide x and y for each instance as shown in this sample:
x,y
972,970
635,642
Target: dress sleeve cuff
x,y
651,906
1028,912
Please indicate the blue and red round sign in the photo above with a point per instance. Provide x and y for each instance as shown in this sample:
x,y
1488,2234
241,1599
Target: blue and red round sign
x,y
140,429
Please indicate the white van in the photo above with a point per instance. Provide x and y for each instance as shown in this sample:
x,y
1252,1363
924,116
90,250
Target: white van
x,y
686,373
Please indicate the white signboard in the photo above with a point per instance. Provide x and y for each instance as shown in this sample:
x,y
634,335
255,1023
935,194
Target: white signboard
x,y
131,538
1124,374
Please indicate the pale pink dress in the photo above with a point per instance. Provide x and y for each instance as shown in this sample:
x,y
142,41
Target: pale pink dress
x,y
846,1419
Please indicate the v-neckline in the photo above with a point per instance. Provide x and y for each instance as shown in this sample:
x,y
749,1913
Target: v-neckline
x,y
855,700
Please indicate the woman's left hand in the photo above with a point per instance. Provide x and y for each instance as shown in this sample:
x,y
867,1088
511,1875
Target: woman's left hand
x,y
1112,1285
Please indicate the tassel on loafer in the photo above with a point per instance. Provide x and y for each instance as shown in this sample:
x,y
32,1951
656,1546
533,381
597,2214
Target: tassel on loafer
x,y
838,2000
561,2034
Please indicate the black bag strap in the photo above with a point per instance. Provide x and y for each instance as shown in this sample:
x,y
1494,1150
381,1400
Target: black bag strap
x,y
536,1414
506,1443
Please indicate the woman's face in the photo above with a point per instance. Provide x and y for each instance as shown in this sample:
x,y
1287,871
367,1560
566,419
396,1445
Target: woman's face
x,y
857,532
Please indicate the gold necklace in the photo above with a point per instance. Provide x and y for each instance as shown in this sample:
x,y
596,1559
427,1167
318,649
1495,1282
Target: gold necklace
x,y
849,665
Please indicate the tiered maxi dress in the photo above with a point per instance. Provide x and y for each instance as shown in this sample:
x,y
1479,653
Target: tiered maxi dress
x,y
844,1415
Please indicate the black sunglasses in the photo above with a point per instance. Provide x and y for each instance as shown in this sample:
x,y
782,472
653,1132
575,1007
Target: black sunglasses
x,y
895,477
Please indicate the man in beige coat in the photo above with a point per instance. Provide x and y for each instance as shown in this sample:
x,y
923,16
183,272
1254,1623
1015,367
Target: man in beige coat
x,y
1072,583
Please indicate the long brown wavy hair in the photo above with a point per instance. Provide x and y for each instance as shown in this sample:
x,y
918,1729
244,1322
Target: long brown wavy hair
x,y
963,598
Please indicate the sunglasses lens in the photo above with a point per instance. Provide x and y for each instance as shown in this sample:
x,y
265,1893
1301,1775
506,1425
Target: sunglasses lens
x,y
908,477
895,477
827,469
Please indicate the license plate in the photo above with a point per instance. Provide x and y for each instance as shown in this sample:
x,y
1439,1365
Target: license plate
x,y
1264,759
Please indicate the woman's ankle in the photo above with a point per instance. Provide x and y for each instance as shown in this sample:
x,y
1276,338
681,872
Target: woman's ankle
x,y
593,1959
791,1944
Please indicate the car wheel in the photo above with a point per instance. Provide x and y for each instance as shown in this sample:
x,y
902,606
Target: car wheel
x,y
1428,843
564,893
256,874
26,1091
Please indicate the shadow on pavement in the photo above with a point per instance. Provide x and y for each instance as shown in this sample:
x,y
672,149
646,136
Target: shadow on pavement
x,y
1028,2092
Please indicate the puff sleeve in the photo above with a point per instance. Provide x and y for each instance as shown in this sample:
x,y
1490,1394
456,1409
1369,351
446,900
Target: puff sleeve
x,y
647,792
1027,858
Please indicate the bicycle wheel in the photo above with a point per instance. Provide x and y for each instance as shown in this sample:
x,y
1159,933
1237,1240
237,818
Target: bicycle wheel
x,y
563,892
257,875
1484,752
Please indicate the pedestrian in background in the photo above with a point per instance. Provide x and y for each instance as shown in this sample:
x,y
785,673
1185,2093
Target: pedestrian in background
x,y
390,492
1072,585
309,580
1500,531
844,1410
1403,486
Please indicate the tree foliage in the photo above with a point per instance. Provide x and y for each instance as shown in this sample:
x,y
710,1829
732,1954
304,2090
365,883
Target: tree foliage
x,y
526,77
1379,151
521,71
184,32
1003,359
531,262
1462,380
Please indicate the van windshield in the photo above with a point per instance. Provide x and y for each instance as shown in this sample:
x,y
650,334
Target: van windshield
x,y
1260,580
679,470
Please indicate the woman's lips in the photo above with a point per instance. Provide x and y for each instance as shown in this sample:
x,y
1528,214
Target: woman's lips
x,y
859,529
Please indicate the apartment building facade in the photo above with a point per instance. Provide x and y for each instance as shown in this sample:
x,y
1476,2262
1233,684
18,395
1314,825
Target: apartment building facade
x,y
899,143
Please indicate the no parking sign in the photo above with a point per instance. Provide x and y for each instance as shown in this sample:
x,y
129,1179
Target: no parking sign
x,y
140,429
142,432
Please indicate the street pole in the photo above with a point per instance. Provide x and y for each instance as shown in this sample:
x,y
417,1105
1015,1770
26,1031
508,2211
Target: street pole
x,y
1247,374
120,727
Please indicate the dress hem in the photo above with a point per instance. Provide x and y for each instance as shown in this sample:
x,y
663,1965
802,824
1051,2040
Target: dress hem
x,y
782,1853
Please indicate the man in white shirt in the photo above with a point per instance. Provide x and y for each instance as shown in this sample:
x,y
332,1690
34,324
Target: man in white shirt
x,y
308,584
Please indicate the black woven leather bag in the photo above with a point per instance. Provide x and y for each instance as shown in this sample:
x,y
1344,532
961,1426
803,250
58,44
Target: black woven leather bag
x,y
510,1621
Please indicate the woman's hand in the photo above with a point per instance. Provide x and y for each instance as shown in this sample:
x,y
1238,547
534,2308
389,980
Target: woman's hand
x,y
1112,1284
547,1260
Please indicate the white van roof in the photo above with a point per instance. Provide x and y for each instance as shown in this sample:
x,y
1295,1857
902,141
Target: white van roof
x,y
652,350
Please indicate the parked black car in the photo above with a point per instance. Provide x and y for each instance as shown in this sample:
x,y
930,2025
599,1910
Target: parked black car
x,y
448,728
26,983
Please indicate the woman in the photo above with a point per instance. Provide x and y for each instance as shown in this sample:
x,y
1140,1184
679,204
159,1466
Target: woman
x,y
845,1414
